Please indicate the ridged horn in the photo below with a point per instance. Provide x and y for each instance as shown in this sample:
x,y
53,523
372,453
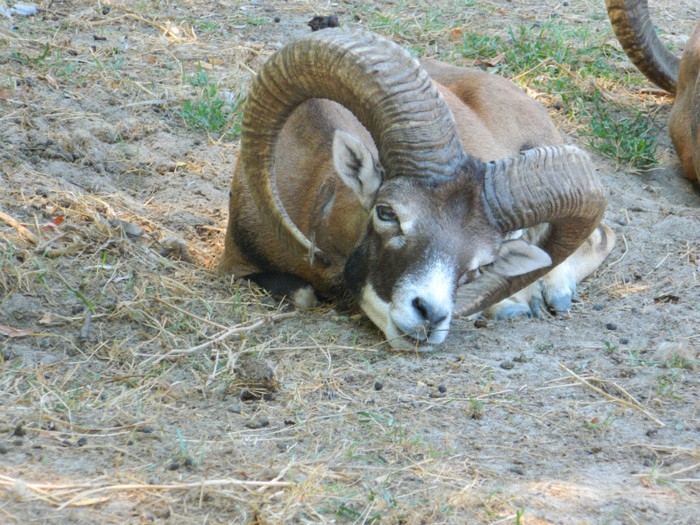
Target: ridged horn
x,y
555,185
386,89
632,25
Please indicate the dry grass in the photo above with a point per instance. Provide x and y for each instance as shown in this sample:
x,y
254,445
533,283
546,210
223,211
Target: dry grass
x,y
135,379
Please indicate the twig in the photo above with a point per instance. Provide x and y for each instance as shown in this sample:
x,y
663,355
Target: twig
x,y
543,420
536,66
190,314
683,470
182,486
654,91
658,265
624,238
89,430
20,229
278,477
157,102
248,68
635,405
41,487
136,16
179,352
48,243
85,330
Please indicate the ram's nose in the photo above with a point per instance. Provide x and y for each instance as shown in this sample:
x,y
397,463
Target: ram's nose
x,y
432,314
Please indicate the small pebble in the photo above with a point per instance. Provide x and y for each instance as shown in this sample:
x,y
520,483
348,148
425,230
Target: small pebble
x,y
507,365
481,323
442,389
260,423
277,20
634,310
611,326
378,385
597,307
173,466
624,341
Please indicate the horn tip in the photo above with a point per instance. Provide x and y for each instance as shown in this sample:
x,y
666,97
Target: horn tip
x,y
320,259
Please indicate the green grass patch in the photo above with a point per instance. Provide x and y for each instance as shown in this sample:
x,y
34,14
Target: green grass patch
x,y
628,138
572,63
213,110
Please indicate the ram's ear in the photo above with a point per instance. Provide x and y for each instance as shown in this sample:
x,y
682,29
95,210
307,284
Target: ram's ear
x,y
517,257
356,168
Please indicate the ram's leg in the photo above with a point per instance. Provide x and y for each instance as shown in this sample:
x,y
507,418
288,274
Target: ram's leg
x,y
557,289
290,287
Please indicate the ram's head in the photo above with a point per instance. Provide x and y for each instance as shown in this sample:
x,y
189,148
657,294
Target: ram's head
x,y
436,218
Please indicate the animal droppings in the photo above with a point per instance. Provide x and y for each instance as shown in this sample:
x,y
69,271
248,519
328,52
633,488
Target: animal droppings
x,y
323,22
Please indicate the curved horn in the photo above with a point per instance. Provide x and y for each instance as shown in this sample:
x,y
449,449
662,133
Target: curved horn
x,y
556,185
386,89
632,25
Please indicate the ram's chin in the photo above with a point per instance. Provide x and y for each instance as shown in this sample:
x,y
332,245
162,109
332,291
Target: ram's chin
x,y
379,312
399,340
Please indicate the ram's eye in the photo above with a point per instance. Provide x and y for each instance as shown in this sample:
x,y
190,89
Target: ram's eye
x,y
385,213
487,266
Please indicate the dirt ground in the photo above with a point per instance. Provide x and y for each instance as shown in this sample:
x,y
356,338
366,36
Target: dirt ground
x,y
135,385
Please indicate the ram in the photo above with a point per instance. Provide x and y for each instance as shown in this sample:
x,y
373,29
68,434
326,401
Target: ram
x,y
416,190
635,31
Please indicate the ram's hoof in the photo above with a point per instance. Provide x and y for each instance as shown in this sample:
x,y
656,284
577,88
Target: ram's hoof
x,y
560,297
559,303
511,311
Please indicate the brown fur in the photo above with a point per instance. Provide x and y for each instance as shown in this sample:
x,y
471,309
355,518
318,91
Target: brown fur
x,y
684,122
304,148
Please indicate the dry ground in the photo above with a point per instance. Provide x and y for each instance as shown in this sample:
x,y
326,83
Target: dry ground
x,y
122,365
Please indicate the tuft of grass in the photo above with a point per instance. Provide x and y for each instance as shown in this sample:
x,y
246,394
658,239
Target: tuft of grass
x,y
598,426
610,348
213,110
627,139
